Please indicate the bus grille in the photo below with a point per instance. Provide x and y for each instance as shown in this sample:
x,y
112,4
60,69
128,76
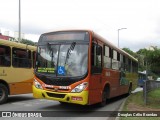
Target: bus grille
x,y
57,81
56,95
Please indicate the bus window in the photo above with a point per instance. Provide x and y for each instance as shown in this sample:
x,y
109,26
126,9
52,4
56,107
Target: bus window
x,y
96,58
21,58
118,60
5,59
135,66
121,63
107,59
114,60
33,60
129,65
124,63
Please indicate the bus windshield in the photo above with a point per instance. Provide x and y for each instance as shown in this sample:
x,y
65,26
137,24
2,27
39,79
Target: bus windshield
x,y
68,60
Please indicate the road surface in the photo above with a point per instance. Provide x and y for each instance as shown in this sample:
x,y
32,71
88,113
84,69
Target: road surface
x,y
23,104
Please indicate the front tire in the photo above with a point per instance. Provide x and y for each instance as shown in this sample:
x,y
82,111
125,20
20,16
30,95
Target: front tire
x,y
3,93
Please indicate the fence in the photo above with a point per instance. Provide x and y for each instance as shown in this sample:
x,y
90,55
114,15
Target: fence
x,y
148,86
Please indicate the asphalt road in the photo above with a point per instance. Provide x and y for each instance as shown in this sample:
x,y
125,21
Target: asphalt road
x,y
26,103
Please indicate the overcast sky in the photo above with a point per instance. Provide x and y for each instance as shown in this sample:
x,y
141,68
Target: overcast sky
x,y
105,17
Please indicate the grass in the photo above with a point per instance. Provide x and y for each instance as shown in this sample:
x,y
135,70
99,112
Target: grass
x,y
155,93
136,98
154,99
153,102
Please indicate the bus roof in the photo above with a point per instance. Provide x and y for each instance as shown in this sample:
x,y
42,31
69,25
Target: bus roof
x,y
113,46
17,45
103,40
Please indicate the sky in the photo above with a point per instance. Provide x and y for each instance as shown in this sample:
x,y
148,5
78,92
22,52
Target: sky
x,y
105,17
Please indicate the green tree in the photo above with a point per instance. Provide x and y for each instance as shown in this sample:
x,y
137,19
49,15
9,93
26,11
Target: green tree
x,y
130,52
142,59
153,58
149,58
28,42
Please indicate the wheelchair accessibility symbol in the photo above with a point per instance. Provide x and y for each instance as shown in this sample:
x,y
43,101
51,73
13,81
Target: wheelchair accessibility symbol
x,y
61,70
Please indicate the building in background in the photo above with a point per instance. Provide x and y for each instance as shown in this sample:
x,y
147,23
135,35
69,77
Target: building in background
x,y
4,37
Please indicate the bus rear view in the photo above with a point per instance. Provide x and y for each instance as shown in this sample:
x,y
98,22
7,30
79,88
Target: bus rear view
x,y
61,71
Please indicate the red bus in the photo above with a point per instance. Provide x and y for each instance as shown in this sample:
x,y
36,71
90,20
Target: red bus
x,y
79,66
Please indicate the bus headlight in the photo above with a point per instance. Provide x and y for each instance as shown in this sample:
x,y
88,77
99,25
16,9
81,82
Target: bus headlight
x,y
80,87
37,84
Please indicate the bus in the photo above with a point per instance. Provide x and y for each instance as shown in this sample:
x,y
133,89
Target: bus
x,y
81,67
141,78
16,68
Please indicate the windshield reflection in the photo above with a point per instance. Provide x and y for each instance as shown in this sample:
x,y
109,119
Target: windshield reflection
x,y
69,60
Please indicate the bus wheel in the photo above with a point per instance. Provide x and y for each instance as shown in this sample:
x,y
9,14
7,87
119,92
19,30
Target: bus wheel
x,y
130,89
3,93
104,98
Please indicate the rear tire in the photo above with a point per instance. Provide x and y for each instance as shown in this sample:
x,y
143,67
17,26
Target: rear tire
x,y
104,99
3,93
130,89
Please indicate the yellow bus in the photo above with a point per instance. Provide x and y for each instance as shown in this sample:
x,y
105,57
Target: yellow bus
x,y
16,68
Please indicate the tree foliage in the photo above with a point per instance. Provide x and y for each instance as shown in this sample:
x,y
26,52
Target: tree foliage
x,y
148,59
28,42
130,52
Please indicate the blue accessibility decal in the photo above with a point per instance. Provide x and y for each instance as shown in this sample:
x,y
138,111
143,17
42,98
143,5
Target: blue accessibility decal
x,y
61,70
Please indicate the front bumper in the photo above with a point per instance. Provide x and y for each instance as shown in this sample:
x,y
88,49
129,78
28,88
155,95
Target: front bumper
x,y
76,98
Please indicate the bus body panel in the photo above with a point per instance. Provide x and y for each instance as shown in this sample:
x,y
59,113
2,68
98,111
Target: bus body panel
x,y
95,88
21,87
19,74
19,79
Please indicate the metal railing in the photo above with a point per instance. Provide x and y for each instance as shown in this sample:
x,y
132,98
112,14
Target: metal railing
x,y
148,86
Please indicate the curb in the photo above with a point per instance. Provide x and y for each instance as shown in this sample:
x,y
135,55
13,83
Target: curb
x,y
121,107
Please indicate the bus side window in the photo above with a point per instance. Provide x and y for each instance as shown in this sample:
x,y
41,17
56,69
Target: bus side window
x,y
115,63
134,66
96,58
121,63
21,58
129,65
126,64
5,59
107,57
33,58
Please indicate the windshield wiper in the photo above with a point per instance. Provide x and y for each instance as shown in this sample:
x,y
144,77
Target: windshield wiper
x,y
51,53
73,44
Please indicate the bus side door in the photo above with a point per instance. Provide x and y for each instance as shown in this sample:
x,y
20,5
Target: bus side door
x,y
95,83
